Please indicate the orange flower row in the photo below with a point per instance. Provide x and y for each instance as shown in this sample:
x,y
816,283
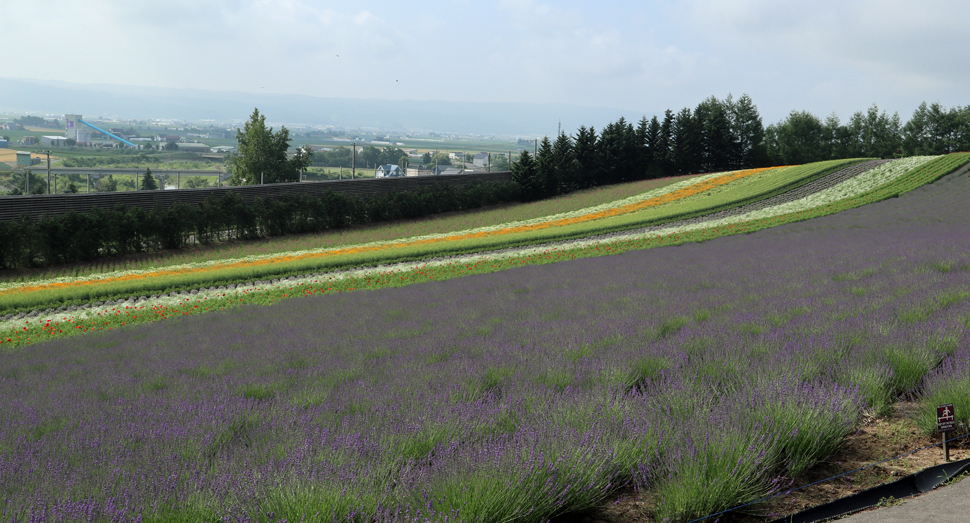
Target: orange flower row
x,y
673,196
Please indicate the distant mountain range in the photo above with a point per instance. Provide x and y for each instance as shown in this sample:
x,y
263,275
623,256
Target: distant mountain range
x,y
93,100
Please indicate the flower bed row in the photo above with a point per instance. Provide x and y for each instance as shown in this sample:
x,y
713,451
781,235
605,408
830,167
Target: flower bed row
x,y
25,295
886,181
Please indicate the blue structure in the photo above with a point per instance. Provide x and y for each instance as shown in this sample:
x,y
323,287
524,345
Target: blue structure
x,y
95,127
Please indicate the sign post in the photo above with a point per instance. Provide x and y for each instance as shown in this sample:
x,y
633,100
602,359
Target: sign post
x,y
945,422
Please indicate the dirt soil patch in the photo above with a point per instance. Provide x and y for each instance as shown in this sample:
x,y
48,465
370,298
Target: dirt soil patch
x,y
9,156
878,439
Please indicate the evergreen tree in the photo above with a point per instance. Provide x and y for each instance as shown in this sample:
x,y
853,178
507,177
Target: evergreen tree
x,y
748,134
835,137
654,168
525,172
684,147
565,164
148,181
617,152
916,131
586,158
609,152
715,138
546,167
642,148
664,153
942,129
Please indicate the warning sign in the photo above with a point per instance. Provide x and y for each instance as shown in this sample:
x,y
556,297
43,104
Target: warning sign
x,y
944,418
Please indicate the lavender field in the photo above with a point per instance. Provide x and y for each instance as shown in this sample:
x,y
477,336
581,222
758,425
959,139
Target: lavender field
x,y
705,374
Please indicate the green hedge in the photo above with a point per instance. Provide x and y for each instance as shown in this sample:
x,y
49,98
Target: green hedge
x,y
74,237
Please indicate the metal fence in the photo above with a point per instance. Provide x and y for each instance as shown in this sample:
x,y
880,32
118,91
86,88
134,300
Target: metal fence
x,y
36,206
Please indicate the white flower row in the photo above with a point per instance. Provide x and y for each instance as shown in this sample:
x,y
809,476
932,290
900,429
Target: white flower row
x,y
856,186
258,257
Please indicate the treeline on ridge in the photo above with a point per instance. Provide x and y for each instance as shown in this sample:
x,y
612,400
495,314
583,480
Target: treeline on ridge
x,y
721,135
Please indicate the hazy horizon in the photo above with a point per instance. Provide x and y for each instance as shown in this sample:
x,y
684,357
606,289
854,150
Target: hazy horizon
x,y
27,96
579,59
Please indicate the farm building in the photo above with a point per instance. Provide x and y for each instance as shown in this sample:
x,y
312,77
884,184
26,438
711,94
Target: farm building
x,y
3,144
388,171
24,159
194,147
53,141
447,170
480,160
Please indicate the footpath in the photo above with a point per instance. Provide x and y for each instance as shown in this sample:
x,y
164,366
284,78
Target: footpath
x,y
946,504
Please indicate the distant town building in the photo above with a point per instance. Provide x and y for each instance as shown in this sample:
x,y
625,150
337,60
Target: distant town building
x,y
417,171
388,171
446,170
53,141
193,147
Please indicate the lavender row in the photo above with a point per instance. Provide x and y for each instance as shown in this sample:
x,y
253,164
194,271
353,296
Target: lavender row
x,y
513,395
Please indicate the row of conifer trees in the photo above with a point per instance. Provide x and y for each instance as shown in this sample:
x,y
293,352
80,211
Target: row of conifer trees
x,y
721,135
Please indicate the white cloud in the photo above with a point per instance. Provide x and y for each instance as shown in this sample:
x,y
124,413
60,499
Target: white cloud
x,y
916,44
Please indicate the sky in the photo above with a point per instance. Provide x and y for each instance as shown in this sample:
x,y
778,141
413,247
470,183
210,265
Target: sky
x,y
823,56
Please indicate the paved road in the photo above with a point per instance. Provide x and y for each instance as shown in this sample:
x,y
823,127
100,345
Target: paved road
x,y
949,504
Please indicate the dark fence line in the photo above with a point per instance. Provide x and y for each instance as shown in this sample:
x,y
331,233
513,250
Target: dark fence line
x,y
36,206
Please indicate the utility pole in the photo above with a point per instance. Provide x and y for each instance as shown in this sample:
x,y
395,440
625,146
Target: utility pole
x,y
48,171
535,147
353,162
